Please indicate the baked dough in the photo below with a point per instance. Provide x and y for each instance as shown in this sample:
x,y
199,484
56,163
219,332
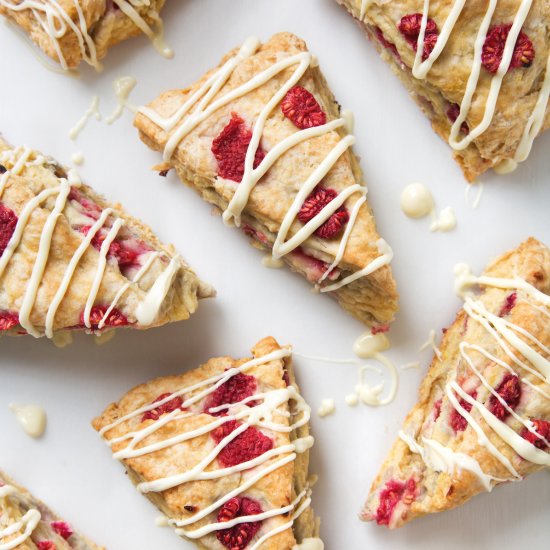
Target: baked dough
x,y
261,397
90,27
26,523
441,91
483,415
51,280
276,93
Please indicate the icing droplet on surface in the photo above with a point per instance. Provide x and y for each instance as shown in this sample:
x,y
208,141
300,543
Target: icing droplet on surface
x,y
416,200
327,407
78,158
368,344
507,166
123,87
446,221
32,419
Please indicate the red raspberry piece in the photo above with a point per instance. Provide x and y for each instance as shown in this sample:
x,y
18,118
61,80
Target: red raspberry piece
x,y
452,112
165,408
125,251
62,528
8,320
456,420
437,409
239,536
236,389
543,428
509,304
46,545
510,390
8,221
393,493
410,26
300,107
380,329
230,149
384,41
316,201
91,209
493,49
249,445
313,267
116,317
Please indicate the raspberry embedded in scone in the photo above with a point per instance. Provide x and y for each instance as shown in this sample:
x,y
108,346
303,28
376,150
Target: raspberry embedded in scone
x,y
483,77
69,260
221,450
483,415
73,31
263,139
27,523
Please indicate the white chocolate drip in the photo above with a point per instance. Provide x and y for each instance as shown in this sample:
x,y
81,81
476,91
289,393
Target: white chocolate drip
x,y
446,221
416,200
314,543
422,68
155,34
91,111
327,407
32,419
201,105
123,87
148,308
262,414
525,357
431,343
27,523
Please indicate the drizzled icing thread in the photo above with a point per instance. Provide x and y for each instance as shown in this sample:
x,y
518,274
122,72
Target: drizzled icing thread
x,y
27,523
260,413
201,104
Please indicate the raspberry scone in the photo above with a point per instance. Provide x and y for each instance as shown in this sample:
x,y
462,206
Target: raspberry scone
x,y
479,70
222,450
70,260
26,523
483,416
263,139
72,31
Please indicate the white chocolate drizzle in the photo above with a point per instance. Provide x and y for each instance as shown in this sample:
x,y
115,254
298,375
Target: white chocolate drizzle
x,y
431,343
32,419
327,407
421,68
123,87
146,310
260,413
91,111
528,361
27,523
201,104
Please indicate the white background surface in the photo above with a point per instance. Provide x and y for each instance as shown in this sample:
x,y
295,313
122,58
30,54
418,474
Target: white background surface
x,y
71,468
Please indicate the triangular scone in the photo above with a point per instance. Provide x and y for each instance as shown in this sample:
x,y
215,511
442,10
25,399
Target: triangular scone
x,y
72,31
26,523
227,440
483,416
70,260
451,80
300,194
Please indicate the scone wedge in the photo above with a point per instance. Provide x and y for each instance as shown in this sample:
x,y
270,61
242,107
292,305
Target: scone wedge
x,y
26,523
70,260
76,31
263,139
479,70
483,415
221,450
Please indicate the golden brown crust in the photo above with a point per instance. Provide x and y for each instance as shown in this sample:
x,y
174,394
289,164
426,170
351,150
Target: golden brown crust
x,y
373,298
438,491
182,296
275,490
106,24
446,82
16,505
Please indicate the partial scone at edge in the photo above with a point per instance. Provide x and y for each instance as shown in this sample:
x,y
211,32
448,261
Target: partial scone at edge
x,y
437,463
271,491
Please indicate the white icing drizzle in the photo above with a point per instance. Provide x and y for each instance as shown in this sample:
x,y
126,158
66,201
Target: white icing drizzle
x,y
200,105
442,459
156,34
123,87
327,407
27,523
91,111
56,22
32,419
153,300
312,543
445,221
479,193
261,415
422,68
274,263
431,343
364,7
